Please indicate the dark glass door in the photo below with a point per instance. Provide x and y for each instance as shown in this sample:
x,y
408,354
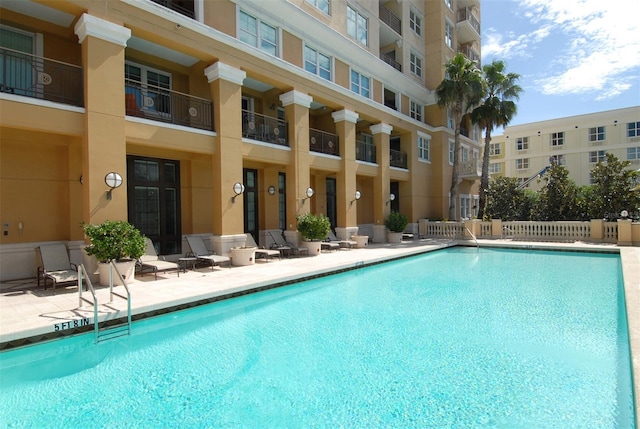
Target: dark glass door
x,y
332,211
250,198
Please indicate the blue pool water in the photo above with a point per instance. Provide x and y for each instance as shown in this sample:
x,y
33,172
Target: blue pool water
x,y
450,339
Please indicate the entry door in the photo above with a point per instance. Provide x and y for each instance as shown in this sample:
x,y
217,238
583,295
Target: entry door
x,y
250,198
332,211
153,196
395,190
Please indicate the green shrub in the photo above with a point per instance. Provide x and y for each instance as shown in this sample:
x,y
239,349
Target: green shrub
x,y
114,240
313,227
396,222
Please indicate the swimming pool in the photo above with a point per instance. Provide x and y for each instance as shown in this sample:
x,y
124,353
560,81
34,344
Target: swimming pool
x,y
456,338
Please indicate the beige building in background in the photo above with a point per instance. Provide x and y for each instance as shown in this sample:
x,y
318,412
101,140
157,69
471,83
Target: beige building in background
x,y
575,142
193,101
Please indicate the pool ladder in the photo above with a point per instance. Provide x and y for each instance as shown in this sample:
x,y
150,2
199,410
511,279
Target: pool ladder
x,y
107,332
473,236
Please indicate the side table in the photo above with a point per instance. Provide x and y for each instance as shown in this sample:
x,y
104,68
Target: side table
x,y
184,262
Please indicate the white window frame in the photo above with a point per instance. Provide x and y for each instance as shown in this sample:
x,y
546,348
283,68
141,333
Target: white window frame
x,y
522,143
357,26
450,121
448,33
316,63
416,64
358,86
559,159
416,110
495,149
597,134
415,21
495,167
633,153
522,163
148,103
633,129
597,155
424,147
322,5
556,139
464,153
452,151
259,34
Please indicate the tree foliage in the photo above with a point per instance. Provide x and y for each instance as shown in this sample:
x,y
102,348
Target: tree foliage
x,y
613,188
504,199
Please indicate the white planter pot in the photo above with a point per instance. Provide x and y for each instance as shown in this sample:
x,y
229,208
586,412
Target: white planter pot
x,y
241,256
362,240
126,268
313,246
394,237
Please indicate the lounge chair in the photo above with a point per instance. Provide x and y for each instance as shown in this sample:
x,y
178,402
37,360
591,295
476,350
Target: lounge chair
x,y
151,261
199,250
329,246
261,252
344,244
55,265
286,247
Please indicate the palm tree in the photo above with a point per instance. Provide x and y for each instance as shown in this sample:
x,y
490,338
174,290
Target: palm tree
x,y
460,90
497,109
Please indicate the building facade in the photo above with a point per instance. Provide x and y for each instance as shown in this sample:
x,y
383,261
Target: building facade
x,y
575,142
225,117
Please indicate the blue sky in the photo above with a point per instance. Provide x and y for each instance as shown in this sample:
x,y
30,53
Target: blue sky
x,y
574,56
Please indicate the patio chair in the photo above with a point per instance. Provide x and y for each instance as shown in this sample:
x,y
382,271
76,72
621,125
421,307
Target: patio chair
x,y
151,261
261,252
287,247
329,246
55,265
344,244
199,250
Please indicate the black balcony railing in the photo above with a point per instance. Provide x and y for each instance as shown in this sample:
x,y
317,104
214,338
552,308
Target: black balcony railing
x,y
464,14
264,128
397,159
38,77
389,60
165,105
323,142
176,5
365,152
390,19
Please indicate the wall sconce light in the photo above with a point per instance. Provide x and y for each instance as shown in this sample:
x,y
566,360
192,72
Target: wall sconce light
x,y
624,214
392,197
273,106
309,193
113,181
272,190
81,179
356,197
238,189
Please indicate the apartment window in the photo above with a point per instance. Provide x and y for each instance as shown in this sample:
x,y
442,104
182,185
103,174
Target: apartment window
x,y
464,154
465,207
452,151
416,111
596,156
495,167
360,84
323,5
522,163
415,64
633,129
596,134
424,147
448,34
495,149
559,159
415,22
357,25
556,139
476,133
522,143
259,34
149,87
317,63
450,118
633,153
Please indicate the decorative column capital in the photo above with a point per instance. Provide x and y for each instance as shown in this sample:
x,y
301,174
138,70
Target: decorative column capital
x,y
381,128
296,97
89,25
225,72
345,115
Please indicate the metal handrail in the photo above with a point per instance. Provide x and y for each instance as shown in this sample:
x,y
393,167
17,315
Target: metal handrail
x,y
472,236
126,288
81,270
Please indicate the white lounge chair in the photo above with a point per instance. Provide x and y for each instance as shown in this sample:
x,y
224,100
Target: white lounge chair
x,y
151,261
286,247
261,252
55,265
344,244
199,250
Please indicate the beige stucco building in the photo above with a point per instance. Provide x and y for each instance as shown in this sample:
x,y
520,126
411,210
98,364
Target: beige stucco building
x,y
575,142
183,99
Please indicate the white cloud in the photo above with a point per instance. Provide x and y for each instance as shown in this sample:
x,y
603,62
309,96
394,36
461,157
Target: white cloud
x,y
516,46
602,51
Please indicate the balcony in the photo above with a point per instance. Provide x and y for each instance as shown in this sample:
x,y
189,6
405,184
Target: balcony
x,y
323,142
38,77
390,19
469,52
165,105
468,26
264,128
177,6
391,61
365,152
471,170
397,159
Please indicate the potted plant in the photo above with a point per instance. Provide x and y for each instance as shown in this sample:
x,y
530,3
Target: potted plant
x,y
396,223
117,241
313,229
